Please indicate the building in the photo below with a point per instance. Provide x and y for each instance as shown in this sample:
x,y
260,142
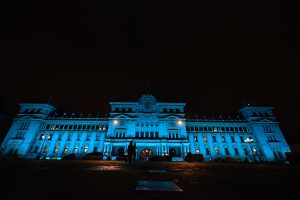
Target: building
x,y
157,128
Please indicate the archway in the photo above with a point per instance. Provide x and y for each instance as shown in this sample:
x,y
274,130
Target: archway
x,y
172,152
120,151
146,154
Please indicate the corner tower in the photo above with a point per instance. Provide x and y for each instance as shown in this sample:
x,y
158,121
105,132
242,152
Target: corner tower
x,y
267,131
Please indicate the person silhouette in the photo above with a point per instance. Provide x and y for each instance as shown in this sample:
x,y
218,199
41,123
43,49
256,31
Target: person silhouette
x,y
130,152
134,152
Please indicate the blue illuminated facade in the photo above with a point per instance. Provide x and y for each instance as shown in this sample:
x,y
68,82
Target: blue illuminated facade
x,y
157,128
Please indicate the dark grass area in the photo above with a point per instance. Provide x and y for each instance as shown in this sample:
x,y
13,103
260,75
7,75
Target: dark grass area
x,y
115,180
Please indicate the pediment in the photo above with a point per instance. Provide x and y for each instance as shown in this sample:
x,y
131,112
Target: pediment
x,y
173,117
26,117
122,116
264,120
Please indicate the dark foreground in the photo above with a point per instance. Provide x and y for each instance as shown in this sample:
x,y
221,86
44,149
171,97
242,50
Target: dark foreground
x,y
114,180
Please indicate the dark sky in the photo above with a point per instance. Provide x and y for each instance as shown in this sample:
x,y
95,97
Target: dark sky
x,y
210,54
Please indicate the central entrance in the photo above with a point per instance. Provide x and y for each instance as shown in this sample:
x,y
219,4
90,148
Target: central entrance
x,y
146,154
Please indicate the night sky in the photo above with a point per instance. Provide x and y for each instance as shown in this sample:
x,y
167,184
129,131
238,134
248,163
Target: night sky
x,y
213,55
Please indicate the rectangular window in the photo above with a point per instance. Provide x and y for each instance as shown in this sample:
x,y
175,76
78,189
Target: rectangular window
x,y
85,149
214,138
217,151
201,129
242,139
223,138
197,151
136,134
227,129
95,149
56,149
75,150
236,151
207,151
205,138
61,126
232,138
195,138
205,129
66,150
227,152
209,129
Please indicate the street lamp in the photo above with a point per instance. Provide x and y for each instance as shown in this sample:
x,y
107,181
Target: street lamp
x,y
250,140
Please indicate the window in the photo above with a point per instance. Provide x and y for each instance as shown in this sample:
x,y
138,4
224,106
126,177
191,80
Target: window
x,y
214,138
242,139
46,149
85,149
79,127
205,138
61,126
209,129
36,149
246,151
66,126
207,151
66,149
201,129
236,151
56,149
232,138
223,138
215,129
95,149
136,134
75,150
50,137
217,151
195,138
197,151
227,129
227,151
42,136
156,134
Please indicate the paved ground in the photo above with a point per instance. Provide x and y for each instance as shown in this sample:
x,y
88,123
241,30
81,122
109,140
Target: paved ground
x,y
115,180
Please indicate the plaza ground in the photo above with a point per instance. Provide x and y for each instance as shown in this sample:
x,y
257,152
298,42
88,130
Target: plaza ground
x,y
114,180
